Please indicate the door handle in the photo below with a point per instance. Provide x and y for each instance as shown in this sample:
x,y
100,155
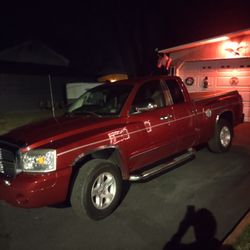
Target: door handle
x,y
166,117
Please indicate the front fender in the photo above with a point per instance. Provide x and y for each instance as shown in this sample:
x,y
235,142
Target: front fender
x,y
109,152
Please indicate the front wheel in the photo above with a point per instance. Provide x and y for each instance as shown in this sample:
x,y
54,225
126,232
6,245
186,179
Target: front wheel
x,y
222,139
97,189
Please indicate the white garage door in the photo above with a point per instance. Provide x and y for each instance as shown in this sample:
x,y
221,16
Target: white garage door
x,y
222,74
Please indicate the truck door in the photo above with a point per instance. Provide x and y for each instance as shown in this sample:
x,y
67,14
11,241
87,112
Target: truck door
x,y
183,125
150,117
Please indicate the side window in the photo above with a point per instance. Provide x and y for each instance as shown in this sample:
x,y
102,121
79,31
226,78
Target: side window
x,y
175,91
149,96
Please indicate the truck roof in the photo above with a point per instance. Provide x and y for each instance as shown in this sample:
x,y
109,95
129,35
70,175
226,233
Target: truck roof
x,y
138,80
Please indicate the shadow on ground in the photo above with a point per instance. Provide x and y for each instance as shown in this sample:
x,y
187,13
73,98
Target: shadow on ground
x,y
204,225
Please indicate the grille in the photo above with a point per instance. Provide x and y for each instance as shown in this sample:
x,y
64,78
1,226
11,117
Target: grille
x,y
7,162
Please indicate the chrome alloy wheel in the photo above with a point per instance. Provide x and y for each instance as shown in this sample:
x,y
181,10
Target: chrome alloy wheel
x,y
103,190
225,136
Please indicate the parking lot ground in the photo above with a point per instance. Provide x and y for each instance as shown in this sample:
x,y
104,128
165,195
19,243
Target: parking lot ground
x,y
150,213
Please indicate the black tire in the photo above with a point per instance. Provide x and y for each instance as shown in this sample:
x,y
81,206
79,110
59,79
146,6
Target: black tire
x,y
91,184
222,139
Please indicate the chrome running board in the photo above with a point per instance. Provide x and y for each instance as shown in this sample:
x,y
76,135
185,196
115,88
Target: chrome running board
x,y
162,167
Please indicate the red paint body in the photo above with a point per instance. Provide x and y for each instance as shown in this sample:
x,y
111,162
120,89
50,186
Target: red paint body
x,y
139,139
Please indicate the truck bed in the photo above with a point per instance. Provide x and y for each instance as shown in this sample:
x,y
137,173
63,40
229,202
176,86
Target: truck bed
x,y
209,95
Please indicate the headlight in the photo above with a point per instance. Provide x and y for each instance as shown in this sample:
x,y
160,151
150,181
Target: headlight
x,y
39,160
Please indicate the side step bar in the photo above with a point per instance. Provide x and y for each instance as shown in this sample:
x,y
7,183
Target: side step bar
x,y
160,168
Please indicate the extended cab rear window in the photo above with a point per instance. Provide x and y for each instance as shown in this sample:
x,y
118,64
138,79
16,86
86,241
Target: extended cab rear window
x,y
175,91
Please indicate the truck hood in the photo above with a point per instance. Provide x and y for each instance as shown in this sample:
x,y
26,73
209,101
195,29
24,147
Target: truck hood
x,y
53,129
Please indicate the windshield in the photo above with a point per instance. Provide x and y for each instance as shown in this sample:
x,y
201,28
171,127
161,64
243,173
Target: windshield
x,y
104,100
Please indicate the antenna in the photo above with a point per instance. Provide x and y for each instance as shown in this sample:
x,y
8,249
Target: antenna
x,y
51,96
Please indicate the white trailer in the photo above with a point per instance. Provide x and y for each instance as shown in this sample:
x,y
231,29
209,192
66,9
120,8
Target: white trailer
x,y
76,89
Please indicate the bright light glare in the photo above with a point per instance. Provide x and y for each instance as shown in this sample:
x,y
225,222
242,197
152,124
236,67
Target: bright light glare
x,y
233,48
218,39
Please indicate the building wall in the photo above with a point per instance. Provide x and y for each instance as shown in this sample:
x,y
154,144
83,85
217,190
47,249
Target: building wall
x,y
225,74
30,92
234,48
225,64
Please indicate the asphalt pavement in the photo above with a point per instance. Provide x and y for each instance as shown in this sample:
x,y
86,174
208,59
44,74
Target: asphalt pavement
x,y
150,213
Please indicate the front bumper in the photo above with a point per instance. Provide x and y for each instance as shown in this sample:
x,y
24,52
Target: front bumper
x,y
35,190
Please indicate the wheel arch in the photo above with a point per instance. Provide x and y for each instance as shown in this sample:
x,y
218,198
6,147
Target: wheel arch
x,y
112,154
109,153
227,115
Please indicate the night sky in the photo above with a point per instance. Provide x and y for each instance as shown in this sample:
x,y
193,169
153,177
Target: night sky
x,y
103,37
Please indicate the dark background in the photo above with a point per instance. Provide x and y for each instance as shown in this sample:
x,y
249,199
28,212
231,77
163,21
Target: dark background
x,y
104,37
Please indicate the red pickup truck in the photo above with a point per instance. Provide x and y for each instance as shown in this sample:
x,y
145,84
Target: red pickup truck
x,y
126,131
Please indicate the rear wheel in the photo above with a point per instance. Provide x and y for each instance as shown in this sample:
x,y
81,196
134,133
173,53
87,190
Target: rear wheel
x,y
222,139
97,189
